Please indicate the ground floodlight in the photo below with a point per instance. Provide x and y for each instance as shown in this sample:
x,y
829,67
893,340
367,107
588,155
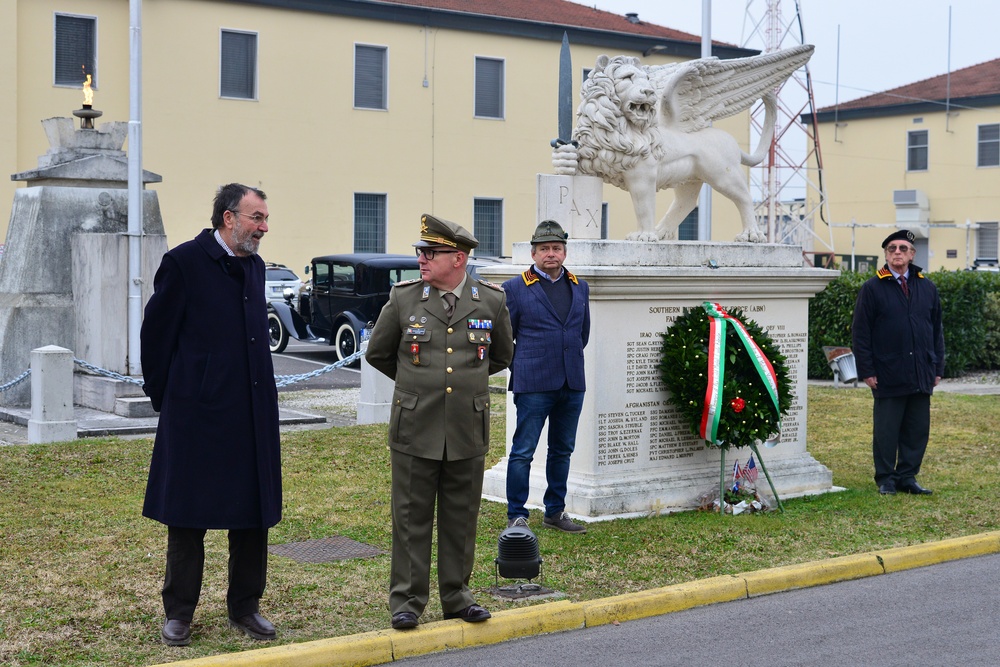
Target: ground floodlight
x,y
517,554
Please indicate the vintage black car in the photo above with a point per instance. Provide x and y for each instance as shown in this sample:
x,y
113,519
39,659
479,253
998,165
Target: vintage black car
x,y
345,293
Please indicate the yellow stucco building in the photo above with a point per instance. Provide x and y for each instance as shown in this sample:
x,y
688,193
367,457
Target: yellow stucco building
x,y
354,116
925,156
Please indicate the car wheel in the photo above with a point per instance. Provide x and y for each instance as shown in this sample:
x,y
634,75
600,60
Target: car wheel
x,y
347,341
277,335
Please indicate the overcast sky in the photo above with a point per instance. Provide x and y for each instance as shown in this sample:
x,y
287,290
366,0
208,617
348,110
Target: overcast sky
x,y
883,43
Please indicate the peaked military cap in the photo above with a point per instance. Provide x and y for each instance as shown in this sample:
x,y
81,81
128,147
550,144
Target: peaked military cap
x,y
548,231
901,235
435,232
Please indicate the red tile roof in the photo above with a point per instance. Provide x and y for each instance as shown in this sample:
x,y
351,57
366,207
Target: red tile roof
x,y
975,81
559,12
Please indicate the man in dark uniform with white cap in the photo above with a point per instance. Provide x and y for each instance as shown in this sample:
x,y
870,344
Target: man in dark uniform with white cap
x,y
439,338
899,350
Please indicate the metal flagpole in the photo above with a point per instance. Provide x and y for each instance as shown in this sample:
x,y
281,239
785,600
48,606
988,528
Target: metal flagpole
x,y
135,186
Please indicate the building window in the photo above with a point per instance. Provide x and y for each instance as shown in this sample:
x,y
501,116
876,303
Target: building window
x,y
238,65
989,146
688,229
916,150
986,243
76,50
487,226
489,88
370,76
586,72
369,223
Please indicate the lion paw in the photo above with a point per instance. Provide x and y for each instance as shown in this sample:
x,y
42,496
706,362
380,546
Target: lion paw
x,y
751,236
648,237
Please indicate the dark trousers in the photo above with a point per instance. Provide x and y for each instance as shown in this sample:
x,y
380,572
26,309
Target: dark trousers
x,y
186,563
457,488
901,427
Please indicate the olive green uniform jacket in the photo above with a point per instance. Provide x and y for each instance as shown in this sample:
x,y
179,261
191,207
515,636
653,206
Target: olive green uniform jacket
x,y
442,399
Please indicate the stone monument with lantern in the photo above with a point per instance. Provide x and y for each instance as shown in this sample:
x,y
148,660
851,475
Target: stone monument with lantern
x,y
64,271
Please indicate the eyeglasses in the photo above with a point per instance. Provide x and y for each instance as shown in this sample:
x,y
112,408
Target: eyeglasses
x,y
430,252
899,248
257,218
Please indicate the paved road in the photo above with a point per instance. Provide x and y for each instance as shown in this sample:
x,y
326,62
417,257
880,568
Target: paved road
x,y
301,358
938,615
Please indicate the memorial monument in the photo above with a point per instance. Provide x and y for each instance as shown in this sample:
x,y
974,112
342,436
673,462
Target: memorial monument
x,y
64,271
634,454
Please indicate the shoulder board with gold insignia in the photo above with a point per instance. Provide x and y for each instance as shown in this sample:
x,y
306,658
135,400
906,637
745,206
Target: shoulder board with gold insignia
x,y
572,278
491,285
920,274
883,273
412,281
529,277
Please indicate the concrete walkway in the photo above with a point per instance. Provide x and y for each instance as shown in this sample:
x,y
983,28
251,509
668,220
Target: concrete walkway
x,y
386,646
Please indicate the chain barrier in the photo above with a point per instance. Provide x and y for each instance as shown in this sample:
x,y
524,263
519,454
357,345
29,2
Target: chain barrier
x,y
16,381
279,380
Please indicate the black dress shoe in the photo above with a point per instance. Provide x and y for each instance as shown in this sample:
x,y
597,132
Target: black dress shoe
x,y
471,614
255,626
915,489
887,489
404,620
176,632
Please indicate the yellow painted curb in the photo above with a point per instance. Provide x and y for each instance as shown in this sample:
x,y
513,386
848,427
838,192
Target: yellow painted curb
x,y
425,638
919,555
663,600
385,646
816,573
370,648
524,622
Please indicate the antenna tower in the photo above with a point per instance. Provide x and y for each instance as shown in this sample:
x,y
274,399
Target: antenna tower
x,y
791,204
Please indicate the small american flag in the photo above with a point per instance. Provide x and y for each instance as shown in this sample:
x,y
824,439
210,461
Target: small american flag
x,y
750,472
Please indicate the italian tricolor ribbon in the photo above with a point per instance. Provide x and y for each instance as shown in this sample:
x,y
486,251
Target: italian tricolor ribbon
x,y
718,319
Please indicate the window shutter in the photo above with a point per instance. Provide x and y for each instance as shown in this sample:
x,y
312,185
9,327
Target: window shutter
x,y
487,226
75,50
369,77
369,223
489,88
238,65
989,146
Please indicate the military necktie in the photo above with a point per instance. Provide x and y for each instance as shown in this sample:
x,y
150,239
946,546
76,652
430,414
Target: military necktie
x,y
450,298
906,288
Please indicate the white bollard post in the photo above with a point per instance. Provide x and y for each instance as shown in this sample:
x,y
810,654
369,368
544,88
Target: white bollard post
x,y
51,395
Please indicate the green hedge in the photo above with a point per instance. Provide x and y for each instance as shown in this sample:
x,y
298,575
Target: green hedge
x,y
970,304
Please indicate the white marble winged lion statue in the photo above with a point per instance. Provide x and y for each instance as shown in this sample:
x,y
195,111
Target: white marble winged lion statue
x,y
645,128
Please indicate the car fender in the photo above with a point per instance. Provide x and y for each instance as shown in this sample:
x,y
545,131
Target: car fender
x,y
293,322
353,318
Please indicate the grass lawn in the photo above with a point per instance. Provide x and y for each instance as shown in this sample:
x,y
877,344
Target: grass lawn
x,y
81,570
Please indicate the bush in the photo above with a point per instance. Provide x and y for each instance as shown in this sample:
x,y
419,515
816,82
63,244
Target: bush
x,y
970,310
830,315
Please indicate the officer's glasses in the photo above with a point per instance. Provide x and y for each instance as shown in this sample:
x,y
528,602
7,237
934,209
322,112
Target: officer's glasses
x,y
257,218
430,252
899,248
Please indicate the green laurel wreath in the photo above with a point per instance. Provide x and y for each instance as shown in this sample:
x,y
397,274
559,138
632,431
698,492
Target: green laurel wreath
x,y
748,414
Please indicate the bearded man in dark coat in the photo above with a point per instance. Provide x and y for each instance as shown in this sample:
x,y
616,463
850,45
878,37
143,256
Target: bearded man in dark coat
x,y
898,343
216,461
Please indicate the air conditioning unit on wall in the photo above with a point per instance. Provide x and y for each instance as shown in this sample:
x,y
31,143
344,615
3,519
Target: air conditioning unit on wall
x,y
913,212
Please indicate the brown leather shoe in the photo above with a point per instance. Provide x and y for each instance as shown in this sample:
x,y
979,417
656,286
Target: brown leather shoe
x,y
255,626
176,632
471,614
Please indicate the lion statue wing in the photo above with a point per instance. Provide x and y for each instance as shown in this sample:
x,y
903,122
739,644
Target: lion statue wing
x,y
701,91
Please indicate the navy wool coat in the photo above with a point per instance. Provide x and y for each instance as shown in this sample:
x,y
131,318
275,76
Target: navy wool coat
x,y
207,369
548,353
900,341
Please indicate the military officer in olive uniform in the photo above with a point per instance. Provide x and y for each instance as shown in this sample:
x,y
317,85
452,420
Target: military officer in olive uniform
x,y
439,338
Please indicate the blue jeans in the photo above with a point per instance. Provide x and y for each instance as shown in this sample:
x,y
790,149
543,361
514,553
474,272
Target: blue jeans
x,y
562,408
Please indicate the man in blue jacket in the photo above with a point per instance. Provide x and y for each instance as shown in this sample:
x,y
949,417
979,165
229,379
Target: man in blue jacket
x,y
207,370
899,350
550,316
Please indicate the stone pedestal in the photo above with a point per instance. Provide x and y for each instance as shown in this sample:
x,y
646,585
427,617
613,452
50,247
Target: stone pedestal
x,y
64,274
634,454
51,396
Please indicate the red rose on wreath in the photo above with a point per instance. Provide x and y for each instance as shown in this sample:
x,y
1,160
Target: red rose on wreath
x,y
737,404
